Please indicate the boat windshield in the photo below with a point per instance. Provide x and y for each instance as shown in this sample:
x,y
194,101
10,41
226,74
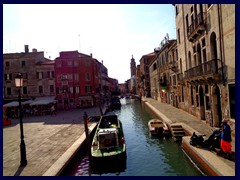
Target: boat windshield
x,y
107,139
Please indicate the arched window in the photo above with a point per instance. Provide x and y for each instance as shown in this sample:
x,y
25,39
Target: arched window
x,y
213,46
189,60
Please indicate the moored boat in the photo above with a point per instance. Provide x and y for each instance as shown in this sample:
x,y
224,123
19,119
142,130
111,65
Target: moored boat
x,y
108,141
158,127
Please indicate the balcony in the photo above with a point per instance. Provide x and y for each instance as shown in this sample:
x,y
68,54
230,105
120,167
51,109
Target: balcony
x,y
173,65
180,78
209,68
196,28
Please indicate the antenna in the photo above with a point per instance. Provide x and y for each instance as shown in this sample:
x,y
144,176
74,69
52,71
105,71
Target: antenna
x,y
79,43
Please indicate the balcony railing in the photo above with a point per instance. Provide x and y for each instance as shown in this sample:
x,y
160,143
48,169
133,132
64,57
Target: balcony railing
x,y
173,65
208,68
179,76
198,24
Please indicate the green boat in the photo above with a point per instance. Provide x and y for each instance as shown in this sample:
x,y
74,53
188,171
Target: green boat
x,y
108,141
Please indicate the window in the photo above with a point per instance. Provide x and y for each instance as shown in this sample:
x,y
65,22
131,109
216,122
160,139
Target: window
x,y
7,64
207,103
87,63
40,89
59,64
187,24
25,91
176,9
9,91
76,77
182,94
174,80
88,77
192,99
8,77
50,74
154,66
88,89
203,42
197,100
23,63
178,36
39,75
76,63
77,89
69,63
70,77
51,88
25,75
64,76
71,90
192,9
232,97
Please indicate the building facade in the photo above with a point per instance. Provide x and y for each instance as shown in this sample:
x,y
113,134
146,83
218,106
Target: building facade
x,y
80,80
206,60
144,74
38,75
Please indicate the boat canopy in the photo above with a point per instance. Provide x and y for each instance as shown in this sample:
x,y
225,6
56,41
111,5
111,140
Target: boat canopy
x,y
108,138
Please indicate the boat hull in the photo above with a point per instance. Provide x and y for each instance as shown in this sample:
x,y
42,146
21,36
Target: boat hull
x,y
158,127
108,142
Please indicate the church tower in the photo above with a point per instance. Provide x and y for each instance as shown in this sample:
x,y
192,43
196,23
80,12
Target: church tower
x,y
133,67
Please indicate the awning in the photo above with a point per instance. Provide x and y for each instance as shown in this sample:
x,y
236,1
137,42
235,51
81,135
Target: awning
x,y
85,98
28,102
11,104
43,102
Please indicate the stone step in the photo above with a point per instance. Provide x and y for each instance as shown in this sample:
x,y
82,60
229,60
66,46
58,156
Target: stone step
x,y
179,133
177,129
176,126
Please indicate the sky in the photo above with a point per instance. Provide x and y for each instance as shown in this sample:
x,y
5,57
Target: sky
x,y
113,33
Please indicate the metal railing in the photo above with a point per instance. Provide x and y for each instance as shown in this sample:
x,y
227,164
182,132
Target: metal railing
x,y
207,68
196,22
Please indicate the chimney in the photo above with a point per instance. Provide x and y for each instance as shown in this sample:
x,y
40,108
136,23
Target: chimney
x,y
26,49
91,54
34,50
102,61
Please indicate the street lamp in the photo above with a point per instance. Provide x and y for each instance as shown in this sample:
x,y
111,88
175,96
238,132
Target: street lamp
x,y
19,84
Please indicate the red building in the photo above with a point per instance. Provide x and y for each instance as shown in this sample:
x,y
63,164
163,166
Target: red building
x,y
77,80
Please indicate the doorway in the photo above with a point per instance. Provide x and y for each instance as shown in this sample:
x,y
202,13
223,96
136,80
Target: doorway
x,y
202,107
217,109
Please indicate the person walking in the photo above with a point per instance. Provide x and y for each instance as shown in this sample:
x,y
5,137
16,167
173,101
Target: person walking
x,y
226,139
53,111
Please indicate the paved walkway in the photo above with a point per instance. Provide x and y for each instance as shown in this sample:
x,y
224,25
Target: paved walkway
x,y
47,138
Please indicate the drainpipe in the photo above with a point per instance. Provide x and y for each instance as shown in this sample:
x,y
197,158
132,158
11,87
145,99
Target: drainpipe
x,y
222,56
185,48
184,35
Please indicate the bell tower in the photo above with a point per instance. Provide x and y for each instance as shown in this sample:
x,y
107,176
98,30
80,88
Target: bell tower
x,y
133,67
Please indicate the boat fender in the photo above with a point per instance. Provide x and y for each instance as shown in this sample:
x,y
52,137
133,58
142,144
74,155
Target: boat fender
x,y
122,140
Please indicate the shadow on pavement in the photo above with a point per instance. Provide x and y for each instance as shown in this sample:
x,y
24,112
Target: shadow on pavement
x,y
73,116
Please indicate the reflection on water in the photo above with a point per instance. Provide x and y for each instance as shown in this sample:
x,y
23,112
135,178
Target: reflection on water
x,y
146,155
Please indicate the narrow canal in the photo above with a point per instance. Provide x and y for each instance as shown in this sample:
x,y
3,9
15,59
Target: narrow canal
x,y
146,155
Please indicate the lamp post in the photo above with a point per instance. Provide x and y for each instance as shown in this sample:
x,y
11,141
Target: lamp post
x,y
19,83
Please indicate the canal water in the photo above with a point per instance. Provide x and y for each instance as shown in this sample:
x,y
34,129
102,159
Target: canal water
x,y
146,155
